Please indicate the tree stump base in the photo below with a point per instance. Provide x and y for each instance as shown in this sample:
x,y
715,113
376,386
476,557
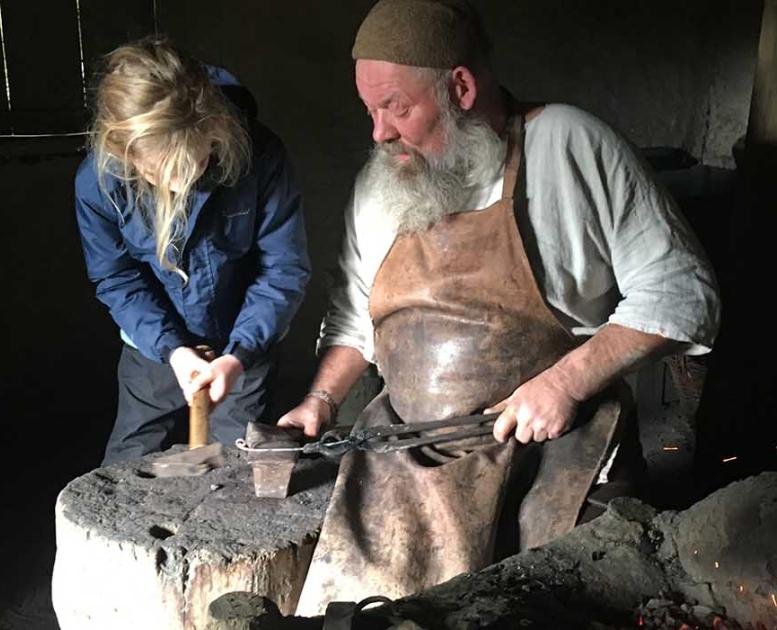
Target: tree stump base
x,y
135,551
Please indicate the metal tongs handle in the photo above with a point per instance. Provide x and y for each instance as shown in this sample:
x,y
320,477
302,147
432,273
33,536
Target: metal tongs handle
x,y
385,438
379,439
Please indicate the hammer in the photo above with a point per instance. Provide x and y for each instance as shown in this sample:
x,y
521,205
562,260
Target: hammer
x,y
201,456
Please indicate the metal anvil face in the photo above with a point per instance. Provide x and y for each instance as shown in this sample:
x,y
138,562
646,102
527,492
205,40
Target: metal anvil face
x,y
272,474
272,470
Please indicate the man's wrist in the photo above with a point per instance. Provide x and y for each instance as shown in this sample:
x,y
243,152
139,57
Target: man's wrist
x,y
567,377
327,398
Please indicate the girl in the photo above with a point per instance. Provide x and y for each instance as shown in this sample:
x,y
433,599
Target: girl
x,y
192,231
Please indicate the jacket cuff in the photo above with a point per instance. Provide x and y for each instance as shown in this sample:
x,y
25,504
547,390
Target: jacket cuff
x,y
169,342
244,355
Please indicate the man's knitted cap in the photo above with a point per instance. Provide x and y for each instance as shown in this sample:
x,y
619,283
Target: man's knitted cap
x,y
424,33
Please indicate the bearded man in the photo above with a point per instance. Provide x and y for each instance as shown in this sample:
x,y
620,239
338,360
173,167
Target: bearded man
x,y
498,256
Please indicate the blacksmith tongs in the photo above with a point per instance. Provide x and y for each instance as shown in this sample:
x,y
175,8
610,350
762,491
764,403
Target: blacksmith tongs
x,y
385,438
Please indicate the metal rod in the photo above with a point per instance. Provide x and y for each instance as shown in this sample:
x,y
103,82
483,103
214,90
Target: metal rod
x,y
243,446
81,52
5,61
69,134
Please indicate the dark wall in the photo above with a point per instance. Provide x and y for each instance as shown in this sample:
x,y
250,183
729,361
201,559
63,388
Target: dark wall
x,y
665,73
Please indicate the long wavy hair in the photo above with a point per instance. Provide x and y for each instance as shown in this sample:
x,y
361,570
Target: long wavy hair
x,y
156,105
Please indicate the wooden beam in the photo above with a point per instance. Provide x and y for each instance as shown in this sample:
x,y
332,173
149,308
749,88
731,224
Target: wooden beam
x,y
754,216
763,107
761,147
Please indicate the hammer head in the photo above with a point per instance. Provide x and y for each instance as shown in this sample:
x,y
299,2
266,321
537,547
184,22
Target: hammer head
x,y
191,463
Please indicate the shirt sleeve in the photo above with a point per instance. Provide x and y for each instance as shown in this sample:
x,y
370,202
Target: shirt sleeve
x,y
136,300
666,282
275,294
347,321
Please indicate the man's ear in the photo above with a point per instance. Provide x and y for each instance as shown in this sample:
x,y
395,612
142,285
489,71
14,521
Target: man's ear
x,y
464,88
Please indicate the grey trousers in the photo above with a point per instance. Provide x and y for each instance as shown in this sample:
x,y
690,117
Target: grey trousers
x,y
151,403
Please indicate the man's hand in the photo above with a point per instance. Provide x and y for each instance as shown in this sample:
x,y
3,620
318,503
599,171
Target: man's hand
x,y
538,410
545,406
195,373
310,415
338,370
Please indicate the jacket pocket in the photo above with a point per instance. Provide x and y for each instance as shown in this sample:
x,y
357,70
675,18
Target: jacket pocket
x,y
235,234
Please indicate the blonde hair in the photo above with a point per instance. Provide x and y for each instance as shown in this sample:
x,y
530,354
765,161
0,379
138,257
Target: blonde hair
x,y
154,103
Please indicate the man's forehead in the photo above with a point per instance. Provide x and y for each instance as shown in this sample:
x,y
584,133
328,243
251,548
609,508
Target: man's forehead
x,y
383,79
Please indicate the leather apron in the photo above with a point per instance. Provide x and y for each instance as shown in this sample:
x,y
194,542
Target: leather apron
x,y
459,323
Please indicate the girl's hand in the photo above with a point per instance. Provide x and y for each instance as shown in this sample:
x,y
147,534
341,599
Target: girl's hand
x,y
194,373
187,365
221,377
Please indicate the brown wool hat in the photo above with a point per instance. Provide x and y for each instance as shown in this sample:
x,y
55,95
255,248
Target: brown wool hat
x,y
423,33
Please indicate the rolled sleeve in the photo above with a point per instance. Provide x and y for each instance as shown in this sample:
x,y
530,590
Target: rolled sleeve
x,y
667,283
347,321
613,246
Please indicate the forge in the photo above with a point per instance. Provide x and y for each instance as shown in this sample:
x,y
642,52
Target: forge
x,y
712,566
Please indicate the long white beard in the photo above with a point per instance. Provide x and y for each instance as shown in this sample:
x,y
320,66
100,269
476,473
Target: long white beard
x,y
422,190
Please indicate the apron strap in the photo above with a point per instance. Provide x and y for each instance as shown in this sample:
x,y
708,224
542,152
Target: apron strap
x,y
514,157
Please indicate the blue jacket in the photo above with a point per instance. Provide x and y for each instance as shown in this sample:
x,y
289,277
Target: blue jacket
x,y
244,252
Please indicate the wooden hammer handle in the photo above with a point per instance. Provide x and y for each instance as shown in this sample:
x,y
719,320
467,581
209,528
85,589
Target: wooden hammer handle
x,y
200,408
198,418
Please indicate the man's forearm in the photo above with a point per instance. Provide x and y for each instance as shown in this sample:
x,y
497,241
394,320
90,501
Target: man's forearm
x,y
611,353
338,370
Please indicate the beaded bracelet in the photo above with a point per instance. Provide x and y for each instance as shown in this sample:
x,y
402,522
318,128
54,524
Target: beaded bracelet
x,y
324,395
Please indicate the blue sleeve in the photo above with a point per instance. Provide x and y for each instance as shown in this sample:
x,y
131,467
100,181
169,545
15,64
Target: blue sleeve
x,y
283,267
135,298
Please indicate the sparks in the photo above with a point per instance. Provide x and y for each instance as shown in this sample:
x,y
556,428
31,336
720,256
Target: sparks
x,y
717,564
695,552
729,459
774,600
741,588
671,448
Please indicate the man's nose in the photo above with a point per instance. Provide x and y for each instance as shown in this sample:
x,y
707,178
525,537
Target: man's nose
x,y
382,129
